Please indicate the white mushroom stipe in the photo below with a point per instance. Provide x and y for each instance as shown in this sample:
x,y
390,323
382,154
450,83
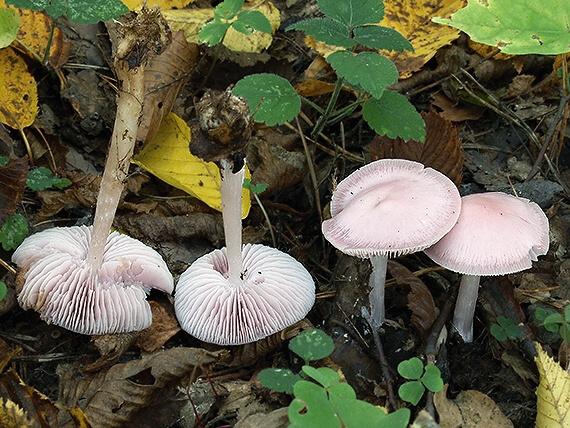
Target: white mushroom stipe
x,y
66,291
273,292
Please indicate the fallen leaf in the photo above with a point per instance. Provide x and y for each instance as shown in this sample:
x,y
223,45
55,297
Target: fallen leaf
x,y
412,18
6,354
12,183
454,111
18,91
12,415
190,21
168,157
275,419
470,409
161,4
442,149
164,326
553,393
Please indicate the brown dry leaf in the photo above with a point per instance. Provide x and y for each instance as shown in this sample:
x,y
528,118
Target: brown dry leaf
x,y
412,18
313,88
164,326
18,91
12,416
12,182
165,76
441,151
520,85
451,110
161,4
420,300
471,409
111,397
276,419
6,354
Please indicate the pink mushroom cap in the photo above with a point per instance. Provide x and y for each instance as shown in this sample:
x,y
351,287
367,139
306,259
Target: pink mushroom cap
x,y
391,207
275,292
496,234
61,287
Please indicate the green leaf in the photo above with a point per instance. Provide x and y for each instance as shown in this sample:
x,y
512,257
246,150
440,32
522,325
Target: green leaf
x,y
280,380
256,20
41,179
372,71
9,26
394,116
241,27
358,414
565,332
411,391
397,419
13,232
213,32
516,26
353,13
554,318
432,378
567,313
271,98
378,37
541,314
80,11
340,391
254,188
3,290
311,407
228,9
325,376
325,30
4,161
312,345
411,369
513,331
498,332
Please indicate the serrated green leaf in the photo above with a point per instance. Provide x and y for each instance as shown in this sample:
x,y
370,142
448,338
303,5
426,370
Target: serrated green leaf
x,y
254,188
378,37
280,380
256,20
42,178
432,378
80,11
271,98
325,30
228,9
312,345
411,369
13,232
516,26
241,27
411,392
358,414
9,26
372,71
325,376
353,13
394,116
213,32
3,290
311,407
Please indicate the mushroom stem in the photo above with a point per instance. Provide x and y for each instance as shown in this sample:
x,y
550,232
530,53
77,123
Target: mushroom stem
x,y
231,190
377,281
465,306
129,109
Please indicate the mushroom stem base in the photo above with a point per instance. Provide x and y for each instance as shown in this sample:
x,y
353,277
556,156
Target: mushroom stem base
x,y
377,281
465,306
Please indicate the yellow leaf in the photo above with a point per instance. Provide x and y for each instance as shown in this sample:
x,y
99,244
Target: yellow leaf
x,y
18,91
190,21
553,407
161,4
12,415
168,157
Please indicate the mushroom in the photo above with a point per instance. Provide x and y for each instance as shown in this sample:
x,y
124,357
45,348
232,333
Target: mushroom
x,y
89,280
389,208
496,234
238,295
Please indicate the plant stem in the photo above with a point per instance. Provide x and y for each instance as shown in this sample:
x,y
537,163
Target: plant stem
x,y
465,306
321,122
129,109
231,189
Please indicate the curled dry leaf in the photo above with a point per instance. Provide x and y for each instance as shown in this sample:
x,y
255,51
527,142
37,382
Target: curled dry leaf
x,y
111,397
164,326
441,151
12,182
420,300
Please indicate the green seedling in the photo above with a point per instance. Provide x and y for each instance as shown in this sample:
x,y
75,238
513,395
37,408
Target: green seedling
x,y
554,321
3,290
254,188
420,378
348,25
80,11
13,232
321,399
505,328
42,178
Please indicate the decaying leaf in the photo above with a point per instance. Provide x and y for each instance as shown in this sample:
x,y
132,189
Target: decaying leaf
x,y
190,21
18,91
165,75
12,182
412,18
110,398
164,326
168,157
441,151
6,354
275,419
12,416
470,409
420,300
161,4
553,392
